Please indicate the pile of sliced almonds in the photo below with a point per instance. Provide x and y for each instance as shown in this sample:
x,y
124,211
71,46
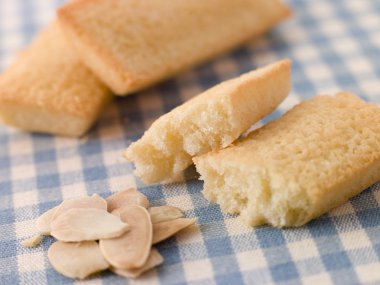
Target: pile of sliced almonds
x,y
95,234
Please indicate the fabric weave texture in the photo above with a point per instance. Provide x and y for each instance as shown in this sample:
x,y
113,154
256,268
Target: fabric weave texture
x,y
334,45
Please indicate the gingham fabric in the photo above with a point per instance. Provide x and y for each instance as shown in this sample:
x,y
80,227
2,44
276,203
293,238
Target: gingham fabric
x,y
334,45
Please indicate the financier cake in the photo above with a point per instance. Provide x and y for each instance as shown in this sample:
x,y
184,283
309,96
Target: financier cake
x,y
316,157
131,44
48,89
211,120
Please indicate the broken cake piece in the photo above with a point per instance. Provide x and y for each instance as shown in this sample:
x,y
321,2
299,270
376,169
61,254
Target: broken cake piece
x,y
316,157
209,121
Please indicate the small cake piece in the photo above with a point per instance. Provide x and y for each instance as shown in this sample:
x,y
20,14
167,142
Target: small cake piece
x,y
211,120
316,157
131,44
47,89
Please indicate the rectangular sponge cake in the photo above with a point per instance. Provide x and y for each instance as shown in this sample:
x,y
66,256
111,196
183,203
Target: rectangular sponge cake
x,y
48,89
211,120
131,44
317,156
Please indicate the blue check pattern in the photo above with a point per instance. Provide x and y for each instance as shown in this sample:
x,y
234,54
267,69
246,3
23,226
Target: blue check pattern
x,y
334,45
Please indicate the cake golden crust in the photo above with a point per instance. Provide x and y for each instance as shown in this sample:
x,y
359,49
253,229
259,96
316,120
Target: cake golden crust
x,y
48,89
133,44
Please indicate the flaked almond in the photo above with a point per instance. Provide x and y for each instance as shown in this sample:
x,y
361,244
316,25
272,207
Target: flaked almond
x,y
32,241
80,224
130,250
118,211
164,230
94,202
154,259
126,197
43,222
164,213
77,260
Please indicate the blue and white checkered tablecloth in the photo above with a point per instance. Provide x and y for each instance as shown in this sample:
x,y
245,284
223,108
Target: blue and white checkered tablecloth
x,y
334,45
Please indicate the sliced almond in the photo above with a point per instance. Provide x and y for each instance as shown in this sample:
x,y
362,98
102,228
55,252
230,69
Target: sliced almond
x,y
32,241
118,211
154,259
43,221
164,213
77,260
129,196
81,224
130,250
95,201
164,230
